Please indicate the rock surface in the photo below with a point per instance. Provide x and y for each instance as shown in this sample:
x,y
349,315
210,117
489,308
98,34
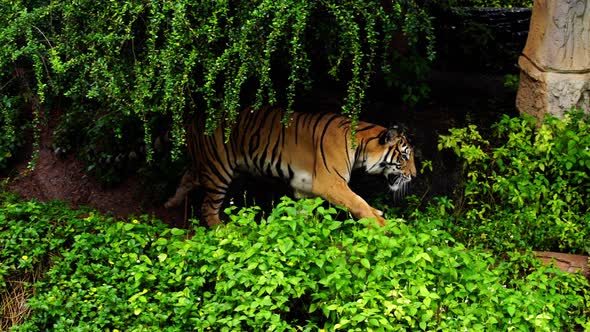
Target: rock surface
x,y
566,262
555,64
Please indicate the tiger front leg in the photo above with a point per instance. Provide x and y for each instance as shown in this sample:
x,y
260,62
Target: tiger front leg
x,y
377,212
339,193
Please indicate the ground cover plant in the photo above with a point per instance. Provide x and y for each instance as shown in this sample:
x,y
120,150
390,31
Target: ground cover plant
x,y
297,269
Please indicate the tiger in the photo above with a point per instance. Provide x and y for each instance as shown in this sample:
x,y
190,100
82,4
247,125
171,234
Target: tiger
x,y
315,153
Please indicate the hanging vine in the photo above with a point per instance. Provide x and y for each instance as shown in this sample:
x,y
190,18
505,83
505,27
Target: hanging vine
x,y
149,60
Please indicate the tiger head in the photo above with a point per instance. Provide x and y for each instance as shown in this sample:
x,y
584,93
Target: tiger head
x,y
393,157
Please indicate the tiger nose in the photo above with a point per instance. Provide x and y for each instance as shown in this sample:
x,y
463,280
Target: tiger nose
x,y
413,170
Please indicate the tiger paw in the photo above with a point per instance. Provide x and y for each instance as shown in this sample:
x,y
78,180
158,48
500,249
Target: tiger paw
x,y
213,221
171,203
377,213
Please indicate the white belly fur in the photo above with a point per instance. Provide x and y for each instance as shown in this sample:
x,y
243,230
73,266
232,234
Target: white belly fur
x,y
302,182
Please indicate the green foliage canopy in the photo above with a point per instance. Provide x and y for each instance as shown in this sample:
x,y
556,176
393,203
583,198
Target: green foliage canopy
x,y
145,59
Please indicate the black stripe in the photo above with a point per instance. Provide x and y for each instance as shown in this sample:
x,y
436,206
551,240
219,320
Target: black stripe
x,y
213,191
278,168
256,165
284,132
371,126
297,120
372,139
263,157
329,121
229,157
344,122
348,166
276,153
315,126
217,182
217,201
308,118
385,157
220,165
253,144
359,150
340,175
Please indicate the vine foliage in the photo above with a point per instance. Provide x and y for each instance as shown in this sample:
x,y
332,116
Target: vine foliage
x,y
152,60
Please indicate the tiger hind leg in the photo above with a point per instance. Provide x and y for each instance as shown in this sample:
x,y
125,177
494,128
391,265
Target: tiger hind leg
x,y
215,183
211,207
188,182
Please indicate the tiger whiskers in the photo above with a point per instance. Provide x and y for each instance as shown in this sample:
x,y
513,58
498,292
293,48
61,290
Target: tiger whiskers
x,y
399,188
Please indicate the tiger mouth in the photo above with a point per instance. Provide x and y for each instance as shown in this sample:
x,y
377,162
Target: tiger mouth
x,y
398,182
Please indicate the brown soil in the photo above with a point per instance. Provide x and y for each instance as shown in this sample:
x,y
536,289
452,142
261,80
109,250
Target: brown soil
x,y
66,179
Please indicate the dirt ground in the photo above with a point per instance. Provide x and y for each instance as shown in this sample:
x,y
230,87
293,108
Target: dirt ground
x,y
66,179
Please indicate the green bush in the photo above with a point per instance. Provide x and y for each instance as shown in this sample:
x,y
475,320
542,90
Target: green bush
x,y
527,187
11,129
297,269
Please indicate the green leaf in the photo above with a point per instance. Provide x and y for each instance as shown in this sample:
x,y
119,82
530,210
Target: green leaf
x,y
319,262
177,232
424,291
341,324
511,310
423,325
285,245
313,307
333,307
365,262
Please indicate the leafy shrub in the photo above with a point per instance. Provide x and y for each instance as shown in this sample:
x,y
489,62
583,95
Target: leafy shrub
x,y
528,187
298,269
110,145
11,129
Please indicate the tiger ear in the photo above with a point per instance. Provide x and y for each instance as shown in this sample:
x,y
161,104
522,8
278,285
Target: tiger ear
x,y
389,135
